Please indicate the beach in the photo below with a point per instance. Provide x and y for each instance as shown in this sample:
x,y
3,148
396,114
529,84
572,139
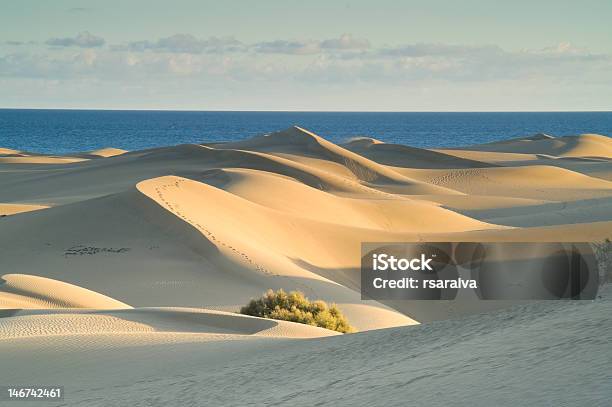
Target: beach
x,y
122,272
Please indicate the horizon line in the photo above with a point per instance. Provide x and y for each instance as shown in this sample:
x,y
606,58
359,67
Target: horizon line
x,y
301,111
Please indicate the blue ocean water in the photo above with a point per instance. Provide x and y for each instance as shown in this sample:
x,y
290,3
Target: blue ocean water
x,y
61,131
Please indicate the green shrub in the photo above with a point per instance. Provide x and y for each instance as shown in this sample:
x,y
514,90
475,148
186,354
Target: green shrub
x,y
295,307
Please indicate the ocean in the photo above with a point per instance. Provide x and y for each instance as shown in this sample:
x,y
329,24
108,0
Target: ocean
x,y
62,131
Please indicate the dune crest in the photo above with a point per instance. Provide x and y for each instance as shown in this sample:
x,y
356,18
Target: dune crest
x,y
12,209
144,324
397,155
214,225
188,234
107,152
9,151
584,145
27,291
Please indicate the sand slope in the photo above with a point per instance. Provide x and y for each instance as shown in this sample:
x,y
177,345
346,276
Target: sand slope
x,y
215,225
124,226
585,145
553,353
25,291
162,260
192,324
410,157
531,182
122,272
107,152
12,209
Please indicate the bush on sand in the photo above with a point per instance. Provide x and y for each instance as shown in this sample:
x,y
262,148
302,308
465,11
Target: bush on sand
x,y
295,307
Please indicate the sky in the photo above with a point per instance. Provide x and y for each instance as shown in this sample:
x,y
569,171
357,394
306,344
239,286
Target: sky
x,y
440,55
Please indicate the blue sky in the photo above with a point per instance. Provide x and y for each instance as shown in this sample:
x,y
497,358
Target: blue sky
x,y
316,55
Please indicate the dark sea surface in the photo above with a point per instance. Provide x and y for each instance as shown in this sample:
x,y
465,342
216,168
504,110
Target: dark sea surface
x,y
62,131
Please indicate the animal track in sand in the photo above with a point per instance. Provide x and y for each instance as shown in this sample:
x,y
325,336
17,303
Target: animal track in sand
x,y
361,187
466,175
81,250
175,208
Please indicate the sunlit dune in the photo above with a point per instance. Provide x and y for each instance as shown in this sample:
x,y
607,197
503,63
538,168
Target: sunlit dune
x,y
116,261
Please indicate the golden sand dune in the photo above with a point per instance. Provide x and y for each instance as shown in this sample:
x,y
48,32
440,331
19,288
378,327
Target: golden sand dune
x,y
12,209
26,291
107,152
38,159
193,324
309,144
188,234
217,224
467,357
379,212
547,213
410,157
9,151
585,145
311,149
585,153
10,156
494,158
162,259
475,202
63,184
531,182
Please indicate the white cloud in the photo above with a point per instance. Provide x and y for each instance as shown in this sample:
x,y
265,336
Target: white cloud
x,y
345,42
184,43
84,40
288,47
344,63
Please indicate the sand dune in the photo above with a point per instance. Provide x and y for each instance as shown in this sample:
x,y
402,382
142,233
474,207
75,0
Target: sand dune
x,y
200,324
26,159
479,360
309,146
10,156
547,214
64,184
531,182
492,158
25,291
283,194
133,261
409,157
585,145
12,209
107,152
119,236
278,211
306,143
8,151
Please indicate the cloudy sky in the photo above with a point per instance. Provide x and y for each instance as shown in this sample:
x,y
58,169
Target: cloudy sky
x,y
315,55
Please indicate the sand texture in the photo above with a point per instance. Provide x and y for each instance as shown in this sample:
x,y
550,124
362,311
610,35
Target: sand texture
x,y
121,272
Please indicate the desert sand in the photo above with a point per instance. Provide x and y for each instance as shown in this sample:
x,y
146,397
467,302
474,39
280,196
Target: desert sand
x,y
121,272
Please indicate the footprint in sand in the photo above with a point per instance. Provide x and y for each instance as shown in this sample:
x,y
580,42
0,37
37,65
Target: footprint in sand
x,y
174,208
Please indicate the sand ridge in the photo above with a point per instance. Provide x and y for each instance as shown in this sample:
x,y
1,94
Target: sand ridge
x,y
27,291
123,272
12,209
584,145
200,324
216,224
